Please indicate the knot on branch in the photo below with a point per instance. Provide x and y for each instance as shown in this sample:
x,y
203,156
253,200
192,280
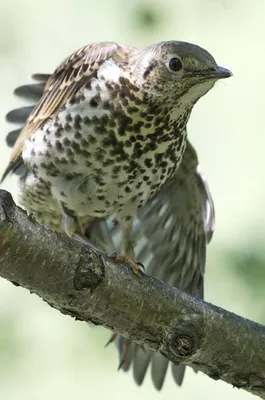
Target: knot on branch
x,y
183,346
6,203
90,272
183,340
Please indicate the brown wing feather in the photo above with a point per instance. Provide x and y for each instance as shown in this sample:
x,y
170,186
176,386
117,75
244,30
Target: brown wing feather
x,y
63,84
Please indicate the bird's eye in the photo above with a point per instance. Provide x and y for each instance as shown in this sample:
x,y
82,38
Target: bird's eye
x,y
175,64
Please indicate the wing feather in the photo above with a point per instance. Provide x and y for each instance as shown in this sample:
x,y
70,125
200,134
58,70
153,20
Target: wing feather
x,y
71,75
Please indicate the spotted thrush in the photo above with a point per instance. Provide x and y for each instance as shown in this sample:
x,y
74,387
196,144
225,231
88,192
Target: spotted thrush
x,y
107,140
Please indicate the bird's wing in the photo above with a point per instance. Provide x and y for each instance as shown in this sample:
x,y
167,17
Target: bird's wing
x,y
171,233
31,93
73,74
177,224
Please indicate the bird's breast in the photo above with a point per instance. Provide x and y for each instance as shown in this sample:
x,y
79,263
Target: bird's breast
x,y
104,150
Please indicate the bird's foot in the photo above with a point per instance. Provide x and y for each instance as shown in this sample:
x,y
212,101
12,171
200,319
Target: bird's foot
x,y
124,351
136,267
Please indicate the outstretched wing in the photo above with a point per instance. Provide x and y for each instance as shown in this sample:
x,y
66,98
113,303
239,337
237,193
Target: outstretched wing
x,y
181,229
73,74
172,232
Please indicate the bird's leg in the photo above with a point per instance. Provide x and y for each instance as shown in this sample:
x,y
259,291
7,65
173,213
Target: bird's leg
x,y
73,228
127,248
69,222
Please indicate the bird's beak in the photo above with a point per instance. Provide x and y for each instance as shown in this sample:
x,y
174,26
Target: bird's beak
x,y
214,73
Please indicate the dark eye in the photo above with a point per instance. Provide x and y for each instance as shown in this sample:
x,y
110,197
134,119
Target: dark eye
x,y
175,64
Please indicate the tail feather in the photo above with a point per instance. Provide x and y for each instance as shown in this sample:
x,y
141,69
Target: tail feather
x,y
158,370
12,137
178,372
30,92
19,115
141,362
40,77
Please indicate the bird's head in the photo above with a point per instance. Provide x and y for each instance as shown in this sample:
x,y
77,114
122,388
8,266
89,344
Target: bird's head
x,y
177,72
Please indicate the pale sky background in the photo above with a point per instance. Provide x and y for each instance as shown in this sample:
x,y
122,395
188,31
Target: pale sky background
x,y
45,355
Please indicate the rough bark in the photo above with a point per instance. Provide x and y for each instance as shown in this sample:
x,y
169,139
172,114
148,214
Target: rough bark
x,y
90,286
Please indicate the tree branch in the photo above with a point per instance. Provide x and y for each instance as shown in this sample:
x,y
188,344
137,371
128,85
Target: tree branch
x,y
90,286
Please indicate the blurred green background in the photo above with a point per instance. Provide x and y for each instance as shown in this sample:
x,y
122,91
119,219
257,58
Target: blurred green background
x,y
45,355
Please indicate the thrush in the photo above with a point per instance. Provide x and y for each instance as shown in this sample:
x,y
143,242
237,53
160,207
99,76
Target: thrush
x,y
107,138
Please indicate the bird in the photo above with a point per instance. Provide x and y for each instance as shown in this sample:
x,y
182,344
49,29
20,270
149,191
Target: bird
x,y
104,151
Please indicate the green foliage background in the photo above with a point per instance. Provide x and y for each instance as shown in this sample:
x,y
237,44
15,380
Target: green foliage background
x,y
45,355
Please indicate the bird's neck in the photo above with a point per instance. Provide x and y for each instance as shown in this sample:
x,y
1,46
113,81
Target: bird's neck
x,y
174,116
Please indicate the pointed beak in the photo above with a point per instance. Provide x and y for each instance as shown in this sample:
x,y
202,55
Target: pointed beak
x,y
220,72
214,73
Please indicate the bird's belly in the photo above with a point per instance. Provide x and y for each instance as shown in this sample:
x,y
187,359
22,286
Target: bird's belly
x,y
100,196
120,188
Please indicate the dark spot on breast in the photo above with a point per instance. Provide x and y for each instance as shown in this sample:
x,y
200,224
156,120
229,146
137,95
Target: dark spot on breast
x,y
68,118
105,105
116,169
69,152
92,139
87,121
106,142
108,162
124,81
94,102
85,153
58,146
66,142
77,135
100,129
99,156
69,176
76,147
67,127
125,101
148,162
132,109
133,139
140,137
104,119
84,142
58,132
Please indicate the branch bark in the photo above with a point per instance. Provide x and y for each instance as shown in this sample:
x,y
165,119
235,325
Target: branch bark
x,y
90,286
